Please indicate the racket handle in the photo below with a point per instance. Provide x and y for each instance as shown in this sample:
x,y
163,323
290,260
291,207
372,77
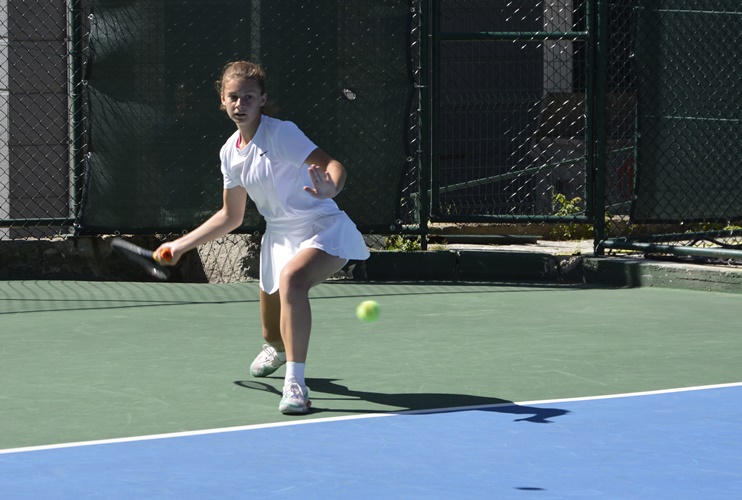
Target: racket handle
x,y
165,254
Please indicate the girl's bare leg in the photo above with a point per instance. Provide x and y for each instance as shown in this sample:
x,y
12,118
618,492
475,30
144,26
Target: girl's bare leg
x,y
308,268
270,314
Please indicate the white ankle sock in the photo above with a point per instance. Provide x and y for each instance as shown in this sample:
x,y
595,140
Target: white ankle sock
x,y
281,355
295,371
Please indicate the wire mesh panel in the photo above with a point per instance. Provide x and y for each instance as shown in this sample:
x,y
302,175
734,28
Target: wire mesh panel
x,y
619,108
674,68
36,188
352,90
153,115
690,156
512,133
339,70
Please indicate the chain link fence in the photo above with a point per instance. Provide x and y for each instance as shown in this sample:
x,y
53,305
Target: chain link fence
x,y
674,99
511,102
620,117
37,183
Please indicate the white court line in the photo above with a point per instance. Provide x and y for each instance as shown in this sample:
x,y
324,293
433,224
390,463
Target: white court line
x,y
357,417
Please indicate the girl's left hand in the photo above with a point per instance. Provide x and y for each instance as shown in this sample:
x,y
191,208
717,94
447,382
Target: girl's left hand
x,y
323,185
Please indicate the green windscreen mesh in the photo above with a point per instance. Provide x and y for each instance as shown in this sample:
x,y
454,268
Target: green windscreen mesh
x,y
338,69
689,164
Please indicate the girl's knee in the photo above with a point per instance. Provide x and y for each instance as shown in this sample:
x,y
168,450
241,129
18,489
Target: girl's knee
x,y
293,279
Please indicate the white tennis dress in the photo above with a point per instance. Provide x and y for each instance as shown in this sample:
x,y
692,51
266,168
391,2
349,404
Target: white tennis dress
x,y
271,169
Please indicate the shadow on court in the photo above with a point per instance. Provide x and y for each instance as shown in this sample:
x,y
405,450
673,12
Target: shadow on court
x,y
411,402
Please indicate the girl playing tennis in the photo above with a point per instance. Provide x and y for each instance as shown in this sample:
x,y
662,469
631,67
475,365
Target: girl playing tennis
x,y
307,238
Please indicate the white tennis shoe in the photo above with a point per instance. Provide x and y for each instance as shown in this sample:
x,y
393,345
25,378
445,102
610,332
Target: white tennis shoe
x,y
295,400
266,362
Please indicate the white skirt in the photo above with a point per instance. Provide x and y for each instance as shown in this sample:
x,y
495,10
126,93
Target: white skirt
x,y
334,234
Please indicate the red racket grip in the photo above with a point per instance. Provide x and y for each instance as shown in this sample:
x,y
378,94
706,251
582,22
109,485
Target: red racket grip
x,y
165,254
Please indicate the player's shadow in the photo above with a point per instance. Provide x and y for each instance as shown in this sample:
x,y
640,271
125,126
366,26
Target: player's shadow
x,y
320,388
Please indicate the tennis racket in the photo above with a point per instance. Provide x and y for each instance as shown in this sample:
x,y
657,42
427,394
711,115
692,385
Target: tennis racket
x,y
148,259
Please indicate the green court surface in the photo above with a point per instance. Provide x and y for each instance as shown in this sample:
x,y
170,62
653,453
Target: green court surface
x,y
85,361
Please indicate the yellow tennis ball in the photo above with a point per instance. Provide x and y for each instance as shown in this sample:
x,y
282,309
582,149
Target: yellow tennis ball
x,y
368,310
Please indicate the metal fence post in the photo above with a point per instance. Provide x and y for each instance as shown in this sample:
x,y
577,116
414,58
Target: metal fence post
x,y
426,109
77,138
435,101
597,127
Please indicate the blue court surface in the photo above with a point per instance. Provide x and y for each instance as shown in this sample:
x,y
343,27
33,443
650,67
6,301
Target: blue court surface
x,y
676,444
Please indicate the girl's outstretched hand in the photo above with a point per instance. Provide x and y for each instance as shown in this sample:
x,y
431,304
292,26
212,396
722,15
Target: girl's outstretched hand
x,y
323,186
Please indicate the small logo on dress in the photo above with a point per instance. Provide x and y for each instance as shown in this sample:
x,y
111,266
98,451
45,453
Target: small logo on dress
x,y
263,153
